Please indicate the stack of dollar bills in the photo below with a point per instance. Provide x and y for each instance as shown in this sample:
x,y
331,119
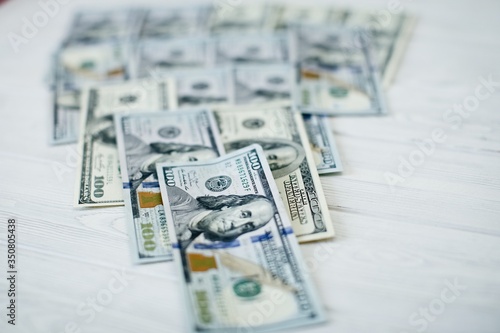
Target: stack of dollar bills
x,y
211,125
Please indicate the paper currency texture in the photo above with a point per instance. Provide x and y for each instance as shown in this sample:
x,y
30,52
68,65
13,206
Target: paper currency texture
x,y
145,139
235,246
281,134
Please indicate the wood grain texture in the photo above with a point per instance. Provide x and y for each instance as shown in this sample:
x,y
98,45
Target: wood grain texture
x,y
394,252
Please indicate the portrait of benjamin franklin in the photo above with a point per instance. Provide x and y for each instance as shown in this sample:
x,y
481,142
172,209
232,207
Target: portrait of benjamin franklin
x,y
103,131
283,156
221,218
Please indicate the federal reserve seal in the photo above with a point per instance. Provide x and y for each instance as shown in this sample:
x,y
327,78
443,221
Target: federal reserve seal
x,y
169,132
126,99
201,86
275,80
253,123
218,183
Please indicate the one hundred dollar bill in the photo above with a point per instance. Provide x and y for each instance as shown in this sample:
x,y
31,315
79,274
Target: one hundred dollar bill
x,y
145,139
250,49
296,14
94,27
80,65
387,36
338,75
159,57
75,67
323,146
263,84
204,87
172,22
65,116
282,135
233,241
98,180
242,19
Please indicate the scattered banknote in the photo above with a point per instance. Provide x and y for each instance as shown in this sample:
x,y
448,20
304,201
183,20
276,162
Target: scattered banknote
x,y
235,246
231,85
282,135
293,14
337,74
388,34
250,49
75,67
388,37
115,45
94,51
94,27
145,139
242,19
200,88
98,177
172,22
262,84
80,65
65,116
162,56
323,146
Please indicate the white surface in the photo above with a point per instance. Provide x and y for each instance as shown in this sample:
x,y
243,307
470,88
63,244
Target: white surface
x,y
393,252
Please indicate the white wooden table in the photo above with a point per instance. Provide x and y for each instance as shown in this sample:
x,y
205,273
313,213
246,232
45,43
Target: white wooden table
x,y
396,252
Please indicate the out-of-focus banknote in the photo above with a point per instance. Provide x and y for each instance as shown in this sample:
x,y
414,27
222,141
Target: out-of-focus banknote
x,y
338,75
93,27
200,88
323,146
80,65
306,14
282,135
98,180
263,84
239,19
235,246
250,49
387,36
161,56
86,59
174,22
65,116
75,67
145,139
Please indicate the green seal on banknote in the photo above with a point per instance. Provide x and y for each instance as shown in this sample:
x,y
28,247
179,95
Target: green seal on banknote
x,y
247,288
